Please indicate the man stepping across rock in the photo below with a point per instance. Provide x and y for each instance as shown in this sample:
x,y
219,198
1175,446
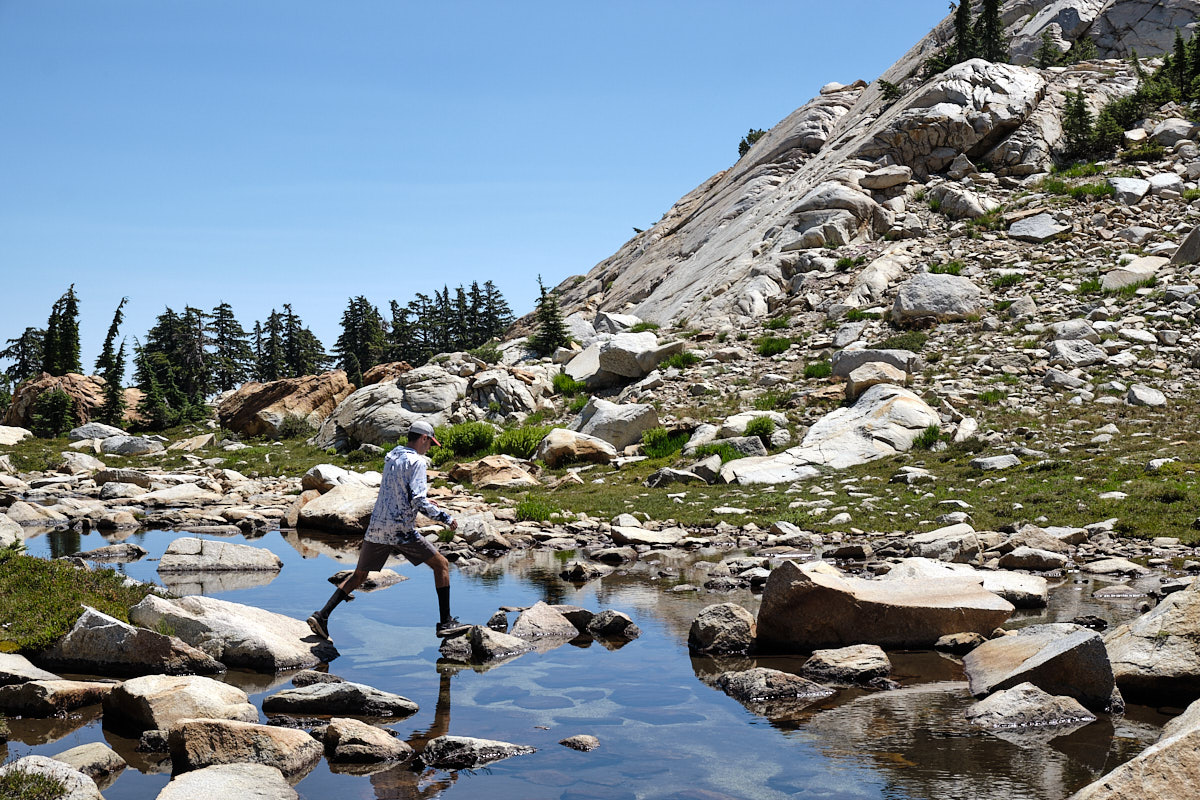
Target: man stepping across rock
x,y
401,495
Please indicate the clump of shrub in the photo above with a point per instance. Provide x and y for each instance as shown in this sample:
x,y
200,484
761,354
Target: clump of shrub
x,y
762,427
294,426
1090,286
644,326
1006,280
661,443
927,438
534,509
771,400
909,340
520,442
992,397
773,345
857,315
21,784
949,268
488,353
818,369
567,386
467,438
777,323
681,360
727,452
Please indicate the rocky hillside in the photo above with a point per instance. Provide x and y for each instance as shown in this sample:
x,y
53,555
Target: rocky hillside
x,y
725,252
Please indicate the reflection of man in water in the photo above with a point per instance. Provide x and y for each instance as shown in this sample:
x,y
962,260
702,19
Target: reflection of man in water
x,y
405,783
402,494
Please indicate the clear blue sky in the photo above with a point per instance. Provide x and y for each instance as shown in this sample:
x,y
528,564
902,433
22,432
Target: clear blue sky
x,y
260,153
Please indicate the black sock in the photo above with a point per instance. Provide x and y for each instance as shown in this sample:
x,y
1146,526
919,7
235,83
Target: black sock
x,y
338,596
443,593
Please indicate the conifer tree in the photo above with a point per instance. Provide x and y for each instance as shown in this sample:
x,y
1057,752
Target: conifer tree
x,y
303,353
25,351
1047,54
155,413
1077,125
60,347
107,357
1180,64
964,34
363,336
269,362
497,315
399,337
232,356
990,43
552,332
112,412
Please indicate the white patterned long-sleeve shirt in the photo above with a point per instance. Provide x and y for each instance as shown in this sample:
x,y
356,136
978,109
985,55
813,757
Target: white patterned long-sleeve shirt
x,y
402,494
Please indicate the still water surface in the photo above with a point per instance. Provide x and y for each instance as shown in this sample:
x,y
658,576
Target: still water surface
x,y
664,732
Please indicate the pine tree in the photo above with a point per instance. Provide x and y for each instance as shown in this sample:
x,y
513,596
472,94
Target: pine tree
x,y
107,357
363,336
60,347
232,357
303,353
1047,54
25,352
1077,123
112,412
989,33
269,362
1179,64
155,412
399,337
964,34
552,332
497,315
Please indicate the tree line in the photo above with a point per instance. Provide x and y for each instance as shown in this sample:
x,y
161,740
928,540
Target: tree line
x,y
188,355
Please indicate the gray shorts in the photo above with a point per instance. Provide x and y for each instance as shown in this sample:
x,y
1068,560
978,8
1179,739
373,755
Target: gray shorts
x,y
373,555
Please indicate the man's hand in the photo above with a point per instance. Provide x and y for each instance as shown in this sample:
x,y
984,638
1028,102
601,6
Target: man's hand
x,y
453,524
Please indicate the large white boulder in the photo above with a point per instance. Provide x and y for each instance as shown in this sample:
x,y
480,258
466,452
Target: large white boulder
x,y
618,424
945,298
1156,654
813,606
380,414
235,634
190,554
159,701
884,421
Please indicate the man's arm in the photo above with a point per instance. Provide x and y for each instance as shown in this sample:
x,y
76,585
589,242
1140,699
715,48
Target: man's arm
x,y
418,492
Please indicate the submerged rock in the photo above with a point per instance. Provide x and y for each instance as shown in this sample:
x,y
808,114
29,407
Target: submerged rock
x,y
463,752
1025,705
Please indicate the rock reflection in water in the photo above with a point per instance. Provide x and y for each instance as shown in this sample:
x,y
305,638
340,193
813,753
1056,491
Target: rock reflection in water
x,y
918,738
212,583
29,730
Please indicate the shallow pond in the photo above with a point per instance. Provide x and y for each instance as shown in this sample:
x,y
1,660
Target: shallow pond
x,y
664,732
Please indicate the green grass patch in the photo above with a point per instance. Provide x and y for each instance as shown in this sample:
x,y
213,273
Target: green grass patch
x,y
927,438
577,403
949,268
1191,194
726,451
1083,191
1006,280
1151,151
845,263
1090,286
771,400
1131,289
778,323
909,340
463,440
40,600
661,443
762,427
644,326
857,315
535,509
818,369
773,345
567,386
991,397
681,360
1082,169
